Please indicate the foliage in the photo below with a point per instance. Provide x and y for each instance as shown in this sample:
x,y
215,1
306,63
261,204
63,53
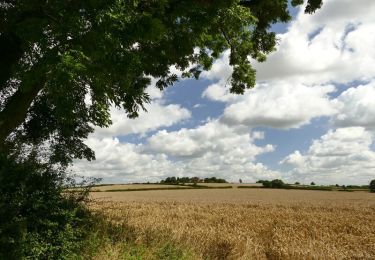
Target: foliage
x,y
38,220
312,183
276,183
118,240
372,186
66,63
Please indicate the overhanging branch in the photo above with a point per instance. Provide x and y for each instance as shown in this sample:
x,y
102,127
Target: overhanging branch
x,y
15,111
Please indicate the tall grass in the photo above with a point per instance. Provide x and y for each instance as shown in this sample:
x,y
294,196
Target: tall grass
x,y
111,240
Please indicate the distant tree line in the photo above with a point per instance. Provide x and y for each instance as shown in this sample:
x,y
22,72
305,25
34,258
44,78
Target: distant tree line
x,y
177,180
277,183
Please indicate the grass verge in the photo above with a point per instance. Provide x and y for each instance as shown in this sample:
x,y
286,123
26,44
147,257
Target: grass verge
x,y
110,240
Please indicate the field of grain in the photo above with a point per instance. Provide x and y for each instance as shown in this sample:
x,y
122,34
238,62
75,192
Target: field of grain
x,y
249,223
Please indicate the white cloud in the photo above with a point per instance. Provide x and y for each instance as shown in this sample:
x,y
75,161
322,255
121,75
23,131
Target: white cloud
x,y
198,105
220,73
212,137
332,45
158,115
220,70
281,105
212,149
340,156
356,107
295,159
123,162
153,92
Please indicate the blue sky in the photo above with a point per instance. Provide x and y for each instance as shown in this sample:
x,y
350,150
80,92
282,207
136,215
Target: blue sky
x,y
311,116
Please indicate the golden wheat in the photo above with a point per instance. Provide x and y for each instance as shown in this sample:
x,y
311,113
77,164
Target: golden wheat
x,y
251,224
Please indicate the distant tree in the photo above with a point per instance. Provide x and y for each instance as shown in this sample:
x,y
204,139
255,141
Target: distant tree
x,y
214,180
195,180
297,183
277,183
240,180
266,184
372,186
312,183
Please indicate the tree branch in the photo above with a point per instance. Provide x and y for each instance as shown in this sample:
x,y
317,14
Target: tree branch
x,y
15,111
10,53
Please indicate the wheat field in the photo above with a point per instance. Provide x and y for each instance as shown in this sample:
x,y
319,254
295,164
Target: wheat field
x,y
249,224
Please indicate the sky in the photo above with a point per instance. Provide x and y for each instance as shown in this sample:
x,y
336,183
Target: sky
x,y
310,117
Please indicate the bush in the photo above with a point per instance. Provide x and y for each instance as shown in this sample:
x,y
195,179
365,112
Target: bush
x,y
38,220
372,186
277,184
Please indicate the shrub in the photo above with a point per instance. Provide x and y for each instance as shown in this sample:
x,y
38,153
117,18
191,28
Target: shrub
x,y
372,186
276,183
38,220
267,184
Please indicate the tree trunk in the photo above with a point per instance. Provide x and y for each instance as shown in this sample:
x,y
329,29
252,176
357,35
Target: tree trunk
x,y
15,111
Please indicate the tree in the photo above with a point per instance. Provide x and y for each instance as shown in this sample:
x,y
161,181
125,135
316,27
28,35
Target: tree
x,y
64,64
39,219
276,183
297,183
372,186
312,183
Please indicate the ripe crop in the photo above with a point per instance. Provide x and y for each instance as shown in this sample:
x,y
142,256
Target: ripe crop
x,y
267,225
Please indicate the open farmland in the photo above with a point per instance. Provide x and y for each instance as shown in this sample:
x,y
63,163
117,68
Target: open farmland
x,y
247,223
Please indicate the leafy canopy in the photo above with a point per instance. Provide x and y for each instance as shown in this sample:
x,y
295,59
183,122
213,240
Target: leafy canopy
x,y
64,63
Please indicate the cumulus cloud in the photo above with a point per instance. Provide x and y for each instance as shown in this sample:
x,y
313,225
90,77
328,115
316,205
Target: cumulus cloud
x,y
220,70
212,137
356,107
158,115
341,156
123,162
280,105
333,45
212,149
